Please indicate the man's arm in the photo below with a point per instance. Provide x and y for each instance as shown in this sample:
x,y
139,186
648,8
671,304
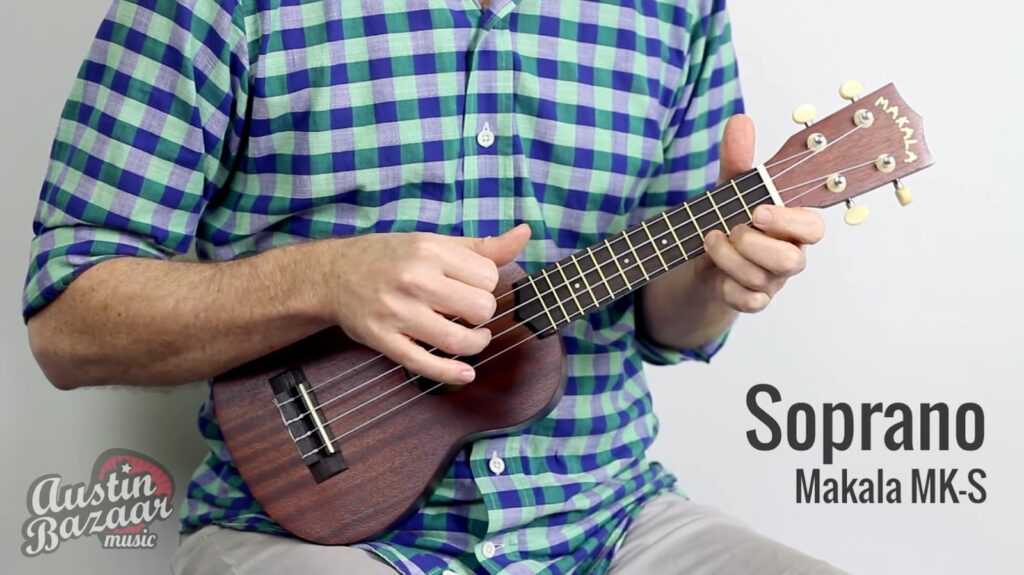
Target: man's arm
x,y
136,321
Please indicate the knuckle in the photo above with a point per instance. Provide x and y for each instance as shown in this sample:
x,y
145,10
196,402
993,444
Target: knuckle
x,y
409,278
448,341
417,364
741,236
716,248
484,309
490,276
478,340
391,307
457,340
759,280
753,302
791,261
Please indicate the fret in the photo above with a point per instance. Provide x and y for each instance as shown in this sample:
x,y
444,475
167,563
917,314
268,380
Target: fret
x,y
717,211
583,276
571,287
672,229
638,261
752,191
615,259
707,218
684,228
543,305
558,299
654,244
695,224
739,195
600,272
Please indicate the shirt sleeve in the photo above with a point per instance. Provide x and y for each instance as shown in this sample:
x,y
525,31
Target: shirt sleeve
x,y
708,96
148,135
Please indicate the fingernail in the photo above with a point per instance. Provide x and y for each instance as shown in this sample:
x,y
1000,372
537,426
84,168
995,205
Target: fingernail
x,y
467,375
762,216
711,239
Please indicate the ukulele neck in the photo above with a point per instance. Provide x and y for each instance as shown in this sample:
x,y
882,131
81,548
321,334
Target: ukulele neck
x,y
592,278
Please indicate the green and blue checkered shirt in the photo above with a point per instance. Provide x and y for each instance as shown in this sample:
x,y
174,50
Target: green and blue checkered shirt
x,y
235,126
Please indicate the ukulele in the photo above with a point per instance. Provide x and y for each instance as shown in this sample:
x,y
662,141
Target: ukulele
x,y
338,443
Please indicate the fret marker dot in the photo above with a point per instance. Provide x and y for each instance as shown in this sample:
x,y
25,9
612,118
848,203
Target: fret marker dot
x,y
664,242
576,285
626,260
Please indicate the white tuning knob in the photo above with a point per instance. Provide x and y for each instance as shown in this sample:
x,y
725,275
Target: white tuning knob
x,y
850,90
903,194
855,215
804,114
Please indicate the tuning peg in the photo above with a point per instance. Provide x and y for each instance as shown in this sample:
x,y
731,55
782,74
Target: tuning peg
x,y
851,90
903,194
804,114
855,215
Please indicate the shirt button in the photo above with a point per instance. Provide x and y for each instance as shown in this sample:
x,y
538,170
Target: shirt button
x,y
496,464
489,549
486,137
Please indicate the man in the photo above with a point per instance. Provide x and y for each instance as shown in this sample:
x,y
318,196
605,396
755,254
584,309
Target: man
x,y
518,131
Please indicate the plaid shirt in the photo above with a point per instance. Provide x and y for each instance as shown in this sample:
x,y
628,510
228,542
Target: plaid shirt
x,y
237,126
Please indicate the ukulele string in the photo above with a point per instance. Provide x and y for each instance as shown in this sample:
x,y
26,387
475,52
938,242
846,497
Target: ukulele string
x,y
596,304
669,213
517,344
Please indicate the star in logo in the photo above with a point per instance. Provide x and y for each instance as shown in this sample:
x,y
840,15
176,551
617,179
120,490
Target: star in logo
x,y
126,468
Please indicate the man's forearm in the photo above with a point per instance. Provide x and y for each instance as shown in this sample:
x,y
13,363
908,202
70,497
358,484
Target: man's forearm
x,y
681,309
135,321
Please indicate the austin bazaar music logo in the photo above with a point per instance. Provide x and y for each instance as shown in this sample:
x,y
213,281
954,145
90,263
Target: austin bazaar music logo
x,y
126,494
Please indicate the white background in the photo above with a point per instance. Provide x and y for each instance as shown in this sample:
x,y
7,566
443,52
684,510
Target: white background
x,y
921,304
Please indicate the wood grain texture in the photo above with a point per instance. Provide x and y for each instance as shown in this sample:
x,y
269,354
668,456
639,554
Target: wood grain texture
x,y
393,461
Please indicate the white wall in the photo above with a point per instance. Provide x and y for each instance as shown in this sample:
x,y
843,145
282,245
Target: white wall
x,y
918,305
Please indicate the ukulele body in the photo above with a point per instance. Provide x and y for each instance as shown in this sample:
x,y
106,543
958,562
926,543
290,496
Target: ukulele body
x,y
380,472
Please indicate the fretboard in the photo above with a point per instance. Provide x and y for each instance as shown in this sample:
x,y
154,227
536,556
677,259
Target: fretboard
x,y
622,263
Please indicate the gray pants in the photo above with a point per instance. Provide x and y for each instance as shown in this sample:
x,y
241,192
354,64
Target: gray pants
x,y
671,536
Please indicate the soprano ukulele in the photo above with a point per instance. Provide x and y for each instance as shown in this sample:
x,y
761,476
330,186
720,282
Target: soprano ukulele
x,y
338,443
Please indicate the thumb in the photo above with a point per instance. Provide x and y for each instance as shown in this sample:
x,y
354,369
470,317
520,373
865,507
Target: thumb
x,y
737,154
504,248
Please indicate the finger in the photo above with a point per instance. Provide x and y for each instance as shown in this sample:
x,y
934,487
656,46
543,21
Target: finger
x,y
446,335
741,270
421,362
504,248
779,257
465,265
791,224
456,299
742,299
737,147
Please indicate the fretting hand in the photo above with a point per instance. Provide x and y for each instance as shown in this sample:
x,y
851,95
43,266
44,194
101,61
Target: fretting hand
x,y
747,268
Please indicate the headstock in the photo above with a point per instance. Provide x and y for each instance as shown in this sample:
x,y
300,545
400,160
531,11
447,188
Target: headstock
x,y
873,141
